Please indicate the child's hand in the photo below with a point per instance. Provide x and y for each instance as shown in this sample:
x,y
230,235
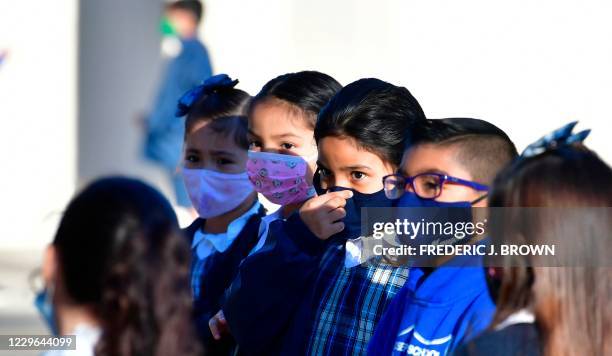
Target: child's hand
x,y
218,325
321,214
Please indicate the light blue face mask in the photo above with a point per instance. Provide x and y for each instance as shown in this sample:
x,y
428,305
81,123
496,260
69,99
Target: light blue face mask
x,y
44,305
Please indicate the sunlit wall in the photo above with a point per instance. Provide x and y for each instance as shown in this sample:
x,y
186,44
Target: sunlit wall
x,y
38,123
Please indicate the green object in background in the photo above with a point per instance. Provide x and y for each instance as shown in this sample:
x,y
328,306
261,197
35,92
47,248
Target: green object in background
x,y
166,28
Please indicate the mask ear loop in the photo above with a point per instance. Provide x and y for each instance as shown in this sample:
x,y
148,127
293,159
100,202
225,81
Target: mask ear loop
x,y
482,197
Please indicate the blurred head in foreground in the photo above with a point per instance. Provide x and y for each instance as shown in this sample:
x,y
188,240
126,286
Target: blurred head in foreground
x,y
118,264
571,304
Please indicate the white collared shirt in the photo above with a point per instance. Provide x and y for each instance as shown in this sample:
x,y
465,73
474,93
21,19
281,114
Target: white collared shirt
x,y
206,244
264,227
522,316
353,253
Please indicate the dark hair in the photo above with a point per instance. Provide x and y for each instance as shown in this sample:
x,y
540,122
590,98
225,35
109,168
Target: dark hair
x,y
226,108
483,148
377,114
307,91
193,6
571,304
121,252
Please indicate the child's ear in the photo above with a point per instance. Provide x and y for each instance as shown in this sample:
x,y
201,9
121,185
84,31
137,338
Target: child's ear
x,y
49,265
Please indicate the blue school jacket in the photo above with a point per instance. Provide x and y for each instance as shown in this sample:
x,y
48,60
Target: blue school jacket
x,y
219,271
434,313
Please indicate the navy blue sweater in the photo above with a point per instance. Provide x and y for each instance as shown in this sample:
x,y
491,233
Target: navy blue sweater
x,y
261,304
220,270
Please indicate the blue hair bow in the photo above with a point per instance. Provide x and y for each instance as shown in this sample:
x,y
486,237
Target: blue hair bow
x,y
562,136
219,81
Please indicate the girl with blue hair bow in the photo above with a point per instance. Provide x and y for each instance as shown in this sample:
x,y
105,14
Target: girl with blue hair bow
x,y
229,213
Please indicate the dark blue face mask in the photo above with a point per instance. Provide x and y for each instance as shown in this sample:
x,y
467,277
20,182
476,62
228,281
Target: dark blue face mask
x,y
352,220
44,305
431,210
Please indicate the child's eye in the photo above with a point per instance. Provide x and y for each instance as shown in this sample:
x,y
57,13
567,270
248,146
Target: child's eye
x,y
287,146
223,161
192,158
358,175
431,185
254,144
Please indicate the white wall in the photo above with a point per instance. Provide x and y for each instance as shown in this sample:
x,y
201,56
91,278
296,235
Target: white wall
x,y
528,66
38,103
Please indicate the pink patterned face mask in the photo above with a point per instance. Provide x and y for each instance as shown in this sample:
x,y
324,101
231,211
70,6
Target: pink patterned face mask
x,y
280,178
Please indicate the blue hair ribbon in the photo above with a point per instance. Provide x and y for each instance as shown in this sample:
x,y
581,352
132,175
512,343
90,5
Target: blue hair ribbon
x,y
209,86
560,137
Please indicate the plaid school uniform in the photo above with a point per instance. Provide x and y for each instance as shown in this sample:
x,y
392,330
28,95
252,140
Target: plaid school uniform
x,y
295,297
350,302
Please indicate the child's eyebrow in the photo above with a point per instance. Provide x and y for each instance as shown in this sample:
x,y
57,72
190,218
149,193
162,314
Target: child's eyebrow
x,y
356,168
431,170
221,153
286,135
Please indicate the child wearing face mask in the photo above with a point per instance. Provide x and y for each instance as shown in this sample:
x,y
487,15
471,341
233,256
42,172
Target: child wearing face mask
x,y
449,162
282,150
302,299
281,162
213,168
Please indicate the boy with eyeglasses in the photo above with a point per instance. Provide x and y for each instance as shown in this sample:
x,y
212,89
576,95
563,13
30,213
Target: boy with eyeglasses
x,y
447,161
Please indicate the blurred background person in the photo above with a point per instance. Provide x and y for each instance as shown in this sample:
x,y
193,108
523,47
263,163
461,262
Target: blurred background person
x,y
117,274
188,65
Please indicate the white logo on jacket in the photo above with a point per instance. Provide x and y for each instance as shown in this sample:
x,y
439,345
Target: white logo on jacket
x,y
415,350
